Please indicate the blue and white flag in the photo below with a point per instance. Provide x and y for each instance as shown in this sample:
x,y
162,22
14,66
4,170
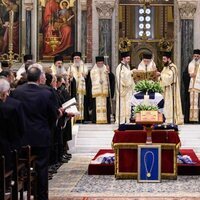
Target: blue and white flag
x,y
154,99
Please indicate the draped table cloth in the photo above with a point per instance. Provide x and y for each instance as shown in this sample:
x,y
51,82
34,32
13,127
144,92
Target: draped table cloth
x,y
125,145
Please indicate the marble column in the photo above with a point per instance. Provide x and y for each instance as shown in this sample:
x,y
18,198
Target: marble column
x,y
28,8
89,48
105,11
187,11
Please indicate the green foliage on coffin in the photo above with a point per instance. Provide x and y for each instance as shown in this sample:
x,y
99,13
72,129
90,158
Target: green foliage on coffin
x,y
148,86
143,107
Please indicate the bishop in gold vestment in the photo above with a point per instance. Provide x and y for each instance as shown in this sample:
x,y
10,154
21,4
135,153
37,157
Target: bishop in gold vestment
x,y
194,86
170,83
124,90
101,84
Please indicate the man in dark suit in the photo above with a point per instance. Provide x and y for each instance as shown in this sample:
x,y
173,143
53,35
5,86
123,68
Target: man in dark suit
x,y
11,122
40,114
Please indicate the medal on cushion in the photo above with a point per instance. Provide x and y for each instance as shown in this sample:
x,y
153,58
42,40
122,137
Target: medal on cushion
x,y
148,175
150,167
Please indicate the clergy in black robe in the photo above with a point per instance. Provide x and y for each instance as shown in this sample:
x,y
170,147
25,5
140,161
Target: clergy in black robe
x,y
77,74
186,96
65,121
101,86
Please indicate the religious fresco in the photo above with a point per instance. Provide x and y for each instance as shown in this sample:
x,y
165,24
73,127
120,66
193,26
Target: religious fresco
x,y
57,30
9,39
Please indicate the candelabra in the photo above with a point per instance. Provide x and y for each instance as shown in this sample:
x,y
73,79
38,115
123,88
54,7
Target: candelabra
x,y
53,41
10,56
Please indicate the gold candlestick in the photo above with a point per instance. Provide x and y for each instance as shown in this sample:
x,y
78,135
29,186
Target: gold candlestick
x,y
53,42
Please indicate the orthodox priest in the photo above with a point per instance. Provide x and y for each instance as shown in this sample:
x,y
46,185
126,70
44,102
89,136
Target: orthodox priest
x,y
101,86
77,74
170,83
124,89
58,68
194,86
147,63
27,58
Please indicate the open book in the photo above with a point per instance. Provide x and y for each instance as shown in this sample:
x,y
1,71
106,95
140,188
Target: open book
x,y
72,109
139,75
69,103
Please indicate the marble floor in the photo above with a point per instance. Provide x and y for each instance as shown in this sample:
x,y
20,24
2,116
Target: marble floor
x,y
72,181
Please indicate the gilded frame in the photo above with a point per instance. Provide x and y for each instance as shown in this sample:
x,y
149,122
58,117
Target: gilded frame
x,y
10,39
117,147
133,175
151,173
58,34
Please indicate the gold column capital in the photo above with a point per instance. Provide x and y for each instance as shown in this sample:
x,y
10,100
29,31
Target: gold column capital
x,y
105,9
187,9
28,5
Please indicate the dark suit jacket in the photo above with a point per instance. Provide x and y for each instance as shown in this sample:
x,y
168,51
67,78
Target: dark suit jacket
x,y
11,127
16,124
40,113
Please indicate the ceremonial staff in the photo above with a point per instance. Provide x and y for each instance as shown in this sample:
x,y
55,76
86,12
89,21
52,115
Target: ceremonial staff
x,y
173,91
119,90
108,79
109,91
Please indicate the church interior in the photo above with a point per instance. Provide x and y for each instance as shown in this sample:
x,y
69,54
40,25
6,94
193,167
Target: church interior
x,y
99,100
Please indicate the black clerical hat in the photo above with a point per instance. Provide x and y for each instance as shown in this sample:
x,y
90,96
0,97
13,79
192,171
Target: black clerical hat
x,y
125,54
5,73
196,51
167,54
28,57
76,54
4,64
49,79
58,58
99,58
147,56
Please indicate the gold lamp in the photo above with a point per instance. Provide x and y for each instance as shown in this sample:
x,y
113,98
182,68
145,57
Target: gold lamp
x,y
53,41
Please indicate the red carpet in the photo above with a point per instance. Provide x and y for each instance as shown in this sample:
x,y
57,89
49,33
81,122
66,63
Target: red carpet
x,y
189,169
183,169
124,198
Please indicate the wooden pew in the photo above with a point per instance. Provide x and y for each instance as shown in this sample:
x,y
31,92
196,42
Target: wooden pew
x,y
18,176
6,181
31,176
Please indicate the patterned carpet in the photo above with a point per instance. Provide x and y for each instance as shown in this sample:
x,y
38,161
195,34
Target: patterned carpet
x,y
123,198
72,182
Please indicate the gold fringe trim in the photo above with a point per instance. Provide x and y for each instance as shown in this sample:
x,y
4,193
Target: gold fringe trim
x,y
99,95
101,122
